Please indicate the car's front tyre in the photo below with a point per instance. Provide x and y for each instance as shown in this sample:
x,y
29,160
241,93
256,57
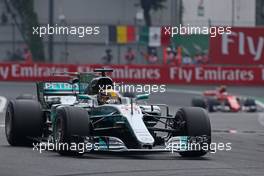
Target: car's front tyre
x,y
196,123
71,126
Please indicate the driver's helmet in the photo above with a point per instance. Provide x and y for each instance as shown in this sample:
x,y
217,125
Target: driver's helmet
x,y
222,89
108,96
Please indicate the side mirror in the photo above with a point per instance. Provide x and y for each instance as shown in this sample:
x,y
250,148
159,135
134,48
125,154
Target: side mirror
x,y
142,97
84,97
74,81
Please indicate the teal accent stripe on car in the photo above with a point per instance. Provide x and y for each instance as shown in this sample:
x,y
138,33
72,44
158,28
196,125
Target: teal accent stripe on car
x,y
60,86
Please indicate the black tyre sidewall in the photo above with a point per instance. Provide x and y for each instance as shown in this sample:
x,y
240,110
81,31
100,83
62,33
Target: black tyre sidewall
x,y
211,103
73,121
199,102
250,102
197,124
26,122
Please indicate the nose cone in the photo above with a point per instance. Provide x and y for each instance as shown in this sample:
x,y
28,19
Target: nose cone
x,y
137,124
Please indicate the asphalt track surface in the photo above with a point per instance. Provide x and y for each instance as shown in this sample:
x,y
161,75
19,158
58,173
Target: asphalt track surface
x,y
244,130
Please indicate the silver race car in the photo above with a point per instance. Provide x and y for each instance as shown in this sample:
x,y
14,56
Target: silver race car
x,y
86,112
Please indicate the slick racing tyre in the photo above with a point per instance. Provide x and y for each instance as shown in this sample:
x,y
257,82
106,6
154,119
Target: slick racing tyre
x,y
197,123
199,102
211,103
23,122
71,126
250,104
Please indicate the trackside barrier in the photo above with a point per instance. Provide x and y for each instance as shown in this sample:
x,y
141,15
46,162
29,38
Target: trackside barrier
x,y
144,74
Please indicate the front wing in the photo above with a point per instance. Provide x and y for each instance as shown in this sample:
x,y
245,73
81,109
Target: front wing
x,y
113,144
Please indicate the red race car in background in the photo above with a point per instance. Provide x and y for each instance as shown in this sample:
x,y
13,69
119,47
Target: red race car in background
x,y
221,100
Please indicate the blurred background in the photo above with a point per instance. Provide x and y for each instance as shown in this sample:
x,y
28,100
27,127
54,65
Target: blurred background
x,y
17,17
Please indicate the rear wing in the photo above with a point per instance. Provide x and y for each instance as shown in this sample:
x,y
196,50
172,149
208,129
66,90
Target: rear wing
x,y
77,85
55,89
58,88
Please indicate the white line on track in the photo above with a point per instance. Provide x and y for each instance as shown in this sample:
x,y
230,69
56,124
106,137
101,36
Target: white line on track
x,y
260,115
2,104
261,118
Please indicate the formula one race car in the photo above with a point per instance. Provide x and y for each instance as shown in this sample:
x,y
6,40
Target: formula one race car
x,y
84,111
221,100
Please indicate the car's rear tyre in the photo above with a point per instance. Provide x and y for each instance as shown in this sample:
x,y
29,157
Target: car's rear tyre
x,y
250,102
71,126
197,123
211,103
199,102
23,122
